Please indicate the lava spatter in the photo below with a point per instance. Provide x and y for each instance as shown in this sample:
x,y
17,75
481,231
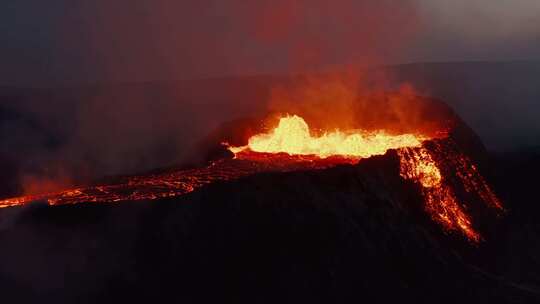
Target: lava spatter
x,y
293,136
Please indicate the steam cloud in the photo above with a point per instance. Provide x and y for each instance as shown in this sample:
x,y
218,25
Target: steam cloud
x,y
88,132
174,39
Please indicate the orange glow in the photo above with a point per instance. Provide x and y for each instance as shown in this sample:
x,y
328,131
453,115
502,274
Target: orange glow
x,y
441,202
177,183
293,136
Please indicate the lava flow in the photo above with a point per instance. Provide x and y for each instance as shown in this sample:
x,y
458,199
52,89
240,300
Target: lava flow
x,y
290,147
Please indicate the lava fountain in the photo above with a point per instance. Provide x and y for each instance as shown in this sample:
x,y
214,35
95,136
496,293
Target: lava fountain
x,y
293,136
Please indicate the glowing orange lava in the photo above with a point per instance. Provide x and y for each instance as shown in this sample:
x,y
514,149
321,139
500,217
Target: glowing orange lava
x,y
292,136
441,202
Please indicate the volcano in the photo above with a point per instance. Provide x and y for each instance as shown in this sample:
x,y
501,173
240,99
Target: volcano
x,y
431,159
280,213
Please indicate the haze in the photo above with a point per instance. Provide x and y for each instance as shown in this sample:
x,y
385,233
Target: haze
x,y
65,41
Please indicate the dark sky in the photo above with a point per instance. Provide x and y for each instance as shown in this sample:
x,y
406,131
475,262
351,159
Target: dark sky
x,y
59,41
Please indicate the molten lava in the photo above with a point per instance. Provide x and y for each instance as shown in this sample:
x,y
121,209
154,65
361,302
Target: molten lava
x,y
291,146
292,136
441,202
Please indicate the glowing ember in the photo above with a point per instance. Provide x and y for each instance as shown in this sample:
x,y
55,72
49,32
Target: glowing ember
x,y
177,183
292,136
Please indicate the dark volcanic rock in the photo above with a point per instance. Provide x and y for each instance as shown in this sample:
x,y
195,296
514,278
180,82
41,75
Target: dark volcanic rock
x,y
347,234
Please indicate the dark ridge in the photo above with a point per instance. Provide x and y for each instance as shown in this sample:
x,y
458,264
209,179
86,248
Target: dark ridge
x,y
347,234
